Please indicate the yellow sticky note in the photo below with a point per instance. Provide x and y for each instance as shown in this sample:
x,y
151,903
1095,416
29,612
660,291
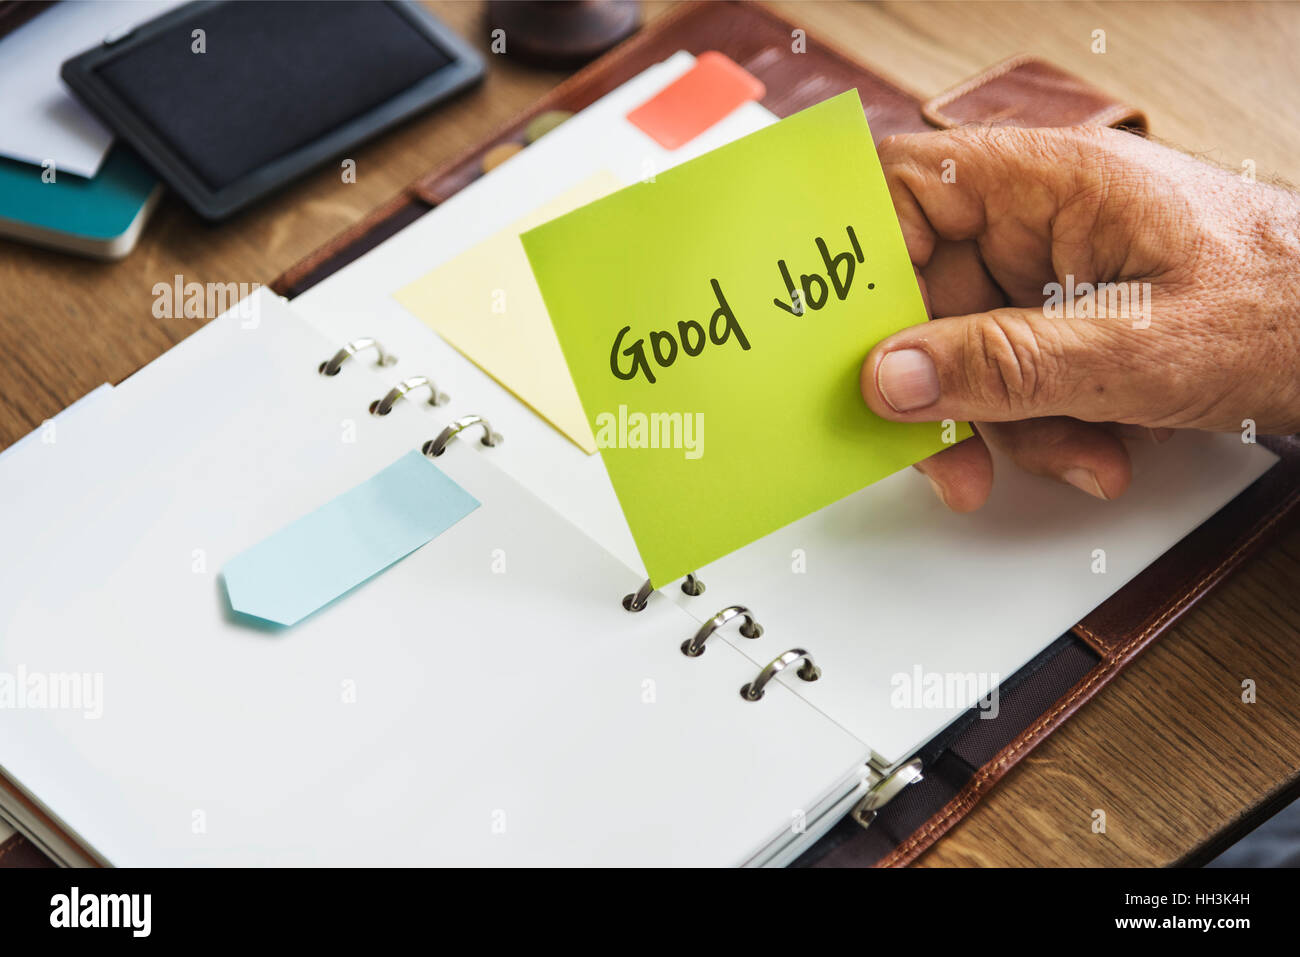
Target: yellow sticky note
x,y
715,321
485,302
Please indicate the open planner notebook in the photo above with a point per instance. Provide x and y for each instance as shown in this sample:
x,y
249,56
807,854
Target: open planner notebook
x,y
488,699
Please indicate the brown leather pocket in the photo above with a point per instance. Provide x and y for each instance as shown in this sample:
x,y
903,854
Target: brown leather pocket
x,y
1026,91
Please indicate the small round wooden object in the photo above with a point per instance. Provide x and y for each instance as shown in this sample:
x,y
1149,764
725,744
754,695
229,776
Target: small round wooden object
x,y
562,33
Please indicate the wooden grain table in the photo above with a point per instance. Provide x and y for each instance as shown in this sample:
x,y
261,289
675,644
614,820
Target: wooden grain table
x,y
1169,751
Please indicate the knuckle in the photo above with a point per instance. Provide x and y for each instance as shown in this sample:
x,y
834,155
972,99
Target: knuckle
x,y
890,145
1010,364
1031,146
899,149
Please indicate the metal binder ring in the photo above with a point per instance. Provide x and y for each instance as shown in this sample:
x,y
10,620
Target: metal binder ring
x,y
637,600
385,405
885,790
750,629
435,447
332,366
808,672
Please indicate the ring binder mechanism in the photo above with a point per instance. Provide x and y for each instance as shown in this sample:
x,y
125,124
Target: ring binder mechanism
x,y
637,600
405,387
808,671
332,366
435,447
750,628
885,790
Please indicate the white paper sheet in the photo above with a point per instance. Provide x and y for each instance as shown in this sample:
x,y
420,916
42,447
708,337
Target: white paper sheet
x,y
888,584
40,121
49,437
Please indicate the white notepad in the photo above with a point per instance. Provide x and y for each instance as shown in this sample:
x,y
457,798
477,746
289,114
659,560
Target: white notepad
x,y
515,715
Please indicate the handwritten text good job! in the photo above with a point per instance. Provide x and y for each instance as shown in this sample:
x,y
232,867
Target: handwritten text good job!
x,y
812,292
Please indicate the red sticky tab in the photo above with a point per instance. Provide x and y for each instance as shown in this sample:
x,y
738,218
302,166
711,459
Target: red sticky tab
x,y
697,99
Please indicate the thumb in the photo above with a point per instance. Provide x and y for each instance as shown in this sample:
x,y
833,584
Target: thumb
x,y
1001,366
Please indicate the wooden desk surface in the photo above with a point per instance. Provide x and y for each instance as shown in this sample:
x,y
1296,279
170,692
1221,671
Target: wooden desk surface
x,y
1169,751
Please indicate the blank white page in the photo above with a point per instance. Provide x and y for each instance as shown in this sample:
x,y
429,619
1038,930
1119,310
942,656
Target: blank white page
x,y
507,709
888,581
41,474
48,437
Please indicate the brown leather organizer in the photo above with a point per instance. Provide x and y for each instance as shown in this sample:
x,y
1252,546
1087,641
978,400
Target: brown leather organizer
x,y
966,761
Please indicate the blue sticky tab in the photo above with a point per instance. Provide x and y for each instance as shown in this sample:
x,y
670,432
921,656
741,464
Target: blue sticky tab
x,y
313,561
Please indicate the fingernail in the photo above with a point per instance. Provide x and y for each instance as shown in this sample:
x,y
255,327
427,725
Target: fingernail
x,y
1161,435
1085,481
908,380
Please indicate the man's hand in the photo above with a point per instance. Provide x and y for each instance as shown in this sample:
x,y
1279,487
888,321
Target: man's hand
x,y
1054,390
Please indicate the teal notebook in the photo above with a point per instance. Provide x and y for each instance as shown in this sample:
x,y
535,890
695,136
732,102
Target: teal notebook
x,y
100,217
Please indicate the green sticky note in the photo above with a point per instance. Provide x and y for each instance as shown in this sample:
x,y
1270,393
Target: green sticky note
x,y
715,321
